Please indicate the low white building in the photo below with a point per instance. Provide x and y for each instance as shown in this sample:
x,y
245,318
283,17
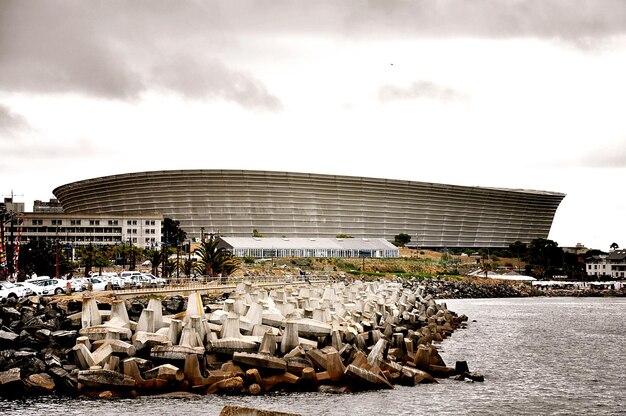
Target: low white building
x,y
259,247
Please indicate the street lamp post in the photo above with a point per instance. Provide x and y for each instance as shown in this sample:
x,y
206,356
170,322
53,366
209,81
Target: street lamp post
x,y
132,254
123,255
177,257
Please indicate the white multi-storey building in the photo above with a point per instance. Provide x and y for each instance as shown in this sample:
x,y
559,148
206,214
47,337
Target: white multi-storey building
x,y
612,265
141,230
598,266
617,261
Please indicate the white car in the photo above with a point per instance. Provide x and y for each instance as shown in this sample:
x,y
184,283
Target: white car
x,y
95,283
49,286
29,288
153,281
127,279
77,283
8,290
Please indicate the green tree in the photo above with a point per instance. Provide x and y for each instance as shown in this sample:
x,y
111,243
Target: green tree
x,y
614,246
171,267
39,256
402,239
155,258
188,267
93,256
545,253
487,267
215,260
171,233
519,250
256,233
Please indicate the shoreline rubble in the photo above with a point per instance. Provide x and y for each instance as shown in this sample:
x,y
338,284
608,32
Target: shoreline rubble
x,y
337,338
342,337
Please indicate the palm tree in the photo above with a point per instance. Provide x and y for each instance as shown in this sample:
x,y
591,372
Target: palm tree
x,y
614,246
215,260
155,258
487,267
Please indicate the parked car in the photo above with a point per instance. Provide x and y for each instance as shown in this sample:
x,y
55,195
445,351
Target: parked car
x,y
94,283
126,280
29,288
77,283
48,286
153,281
8,290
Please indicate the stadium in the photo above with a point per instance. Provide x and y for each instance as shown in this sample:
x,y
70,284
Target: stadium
x,y
282,204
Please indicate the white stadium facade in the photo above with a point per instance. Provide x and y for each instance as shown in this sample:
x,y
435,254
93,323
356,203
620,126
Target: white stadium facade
x,y
282,204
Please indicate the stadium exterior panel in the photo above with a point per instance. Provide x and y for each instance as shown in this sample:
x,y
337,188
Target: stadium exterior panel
x,y
235,202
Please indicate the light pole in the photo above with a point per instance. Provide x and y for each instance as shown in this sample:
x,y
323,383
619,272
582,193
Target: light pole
x,y
131,247
57,271
123,255
177,257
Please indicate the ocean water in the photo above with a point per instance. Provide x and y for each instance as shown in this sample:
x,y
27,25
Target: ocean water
x,y
539,356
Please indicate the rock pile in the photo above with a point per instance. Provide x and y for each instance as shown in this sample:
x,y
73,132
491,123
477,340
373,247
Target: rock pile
x,y
36,338
472,288
337,338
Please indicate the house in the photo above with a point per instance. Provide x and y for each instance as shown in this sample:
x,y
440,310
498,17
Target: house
x,y
597,266
612,265
617,261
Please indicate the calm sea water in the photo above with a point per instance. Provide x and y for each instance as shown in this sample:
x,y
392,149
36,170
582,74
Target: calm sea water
x,y
540,356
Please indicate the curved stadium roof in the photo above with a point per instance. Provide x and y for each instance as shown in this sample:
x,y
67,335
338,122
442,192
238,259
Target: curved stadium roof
x,y
234,202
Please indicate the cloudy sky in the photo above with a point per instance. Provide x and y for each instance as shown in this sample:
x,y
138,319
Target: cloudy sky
x,y
496,93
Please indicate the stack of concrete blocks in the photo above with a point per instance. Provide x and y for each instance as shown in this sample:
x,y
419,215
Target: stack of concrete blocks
x,y
340,336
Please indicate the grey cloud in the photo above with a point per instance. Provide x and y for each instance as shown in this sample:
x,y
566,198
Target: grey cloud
x,y
110,49
420,90
213,79
39,148
11,123
563,19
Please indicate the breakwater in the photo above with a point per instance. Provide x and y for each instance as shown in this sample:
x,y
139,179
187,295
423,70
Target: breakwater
x,y
479,288
350,336
338,338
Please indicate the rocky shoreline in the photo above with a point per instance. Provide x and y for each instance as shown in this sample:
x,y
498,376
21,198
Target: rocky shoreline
x,y
478,288
344,337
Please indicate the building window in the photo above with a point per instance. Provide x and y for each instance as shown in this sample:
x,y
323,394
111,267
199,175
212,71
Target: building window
x,y
57,222
134,231
94,222
146,222
128,231
74,222
134,239
37,222
152,222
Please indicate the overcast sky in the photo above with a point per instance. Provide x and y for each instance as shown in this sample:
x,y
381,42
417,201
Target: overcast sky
x,y
495,93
